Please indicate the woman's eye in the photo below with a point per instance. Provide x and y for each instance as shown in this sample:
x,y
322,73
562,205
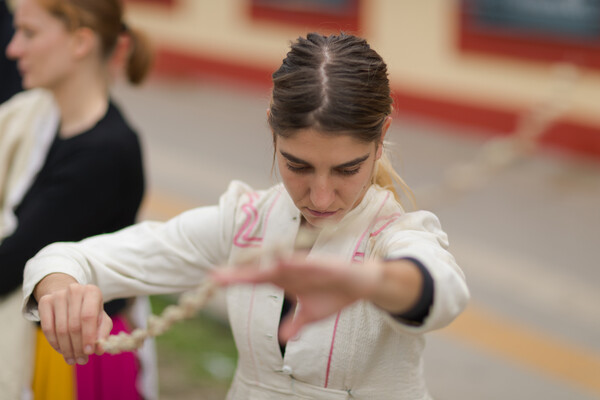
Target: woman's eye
x,y
26,32
298,168
304,169
349,171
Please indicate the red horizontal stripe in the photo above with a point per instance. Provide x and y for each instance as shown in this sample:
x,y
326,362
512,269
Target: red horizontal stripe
x,y
575,137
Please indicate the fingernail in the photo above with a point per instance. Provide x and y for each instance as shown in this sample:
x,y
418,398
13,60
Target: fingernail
x,y
81,360
70,361
88,349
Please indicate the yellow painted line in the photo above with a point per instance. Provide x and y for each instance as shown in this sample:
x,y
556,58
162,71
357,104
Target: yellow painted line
x,y
516,342
477,327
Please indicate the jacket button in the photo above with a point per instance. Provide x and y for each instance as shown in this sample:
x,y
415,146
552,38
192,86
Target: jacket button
x,y
287,370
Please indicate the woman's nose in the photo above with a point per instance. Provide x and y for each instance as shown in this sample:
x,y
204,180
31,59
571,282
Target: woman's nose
x,y
322,193
13,50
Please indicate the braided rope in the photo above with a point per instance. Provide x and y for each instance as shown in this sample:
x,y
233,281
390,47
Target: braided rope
x,y
189,303
194,300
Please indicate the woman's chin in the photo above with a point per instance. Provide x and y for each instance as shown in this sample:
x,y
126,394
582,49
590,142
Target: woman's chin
x,y
321,222
28,84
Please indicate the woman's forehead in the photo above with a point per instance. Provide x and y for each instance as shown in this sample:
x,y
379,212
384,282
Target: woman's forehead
x,y
31,12
312,136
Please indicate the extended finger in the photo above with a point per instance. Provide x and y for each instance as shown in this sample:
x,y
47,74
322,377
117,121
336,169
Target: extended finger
x,y
244,274
290,327
62,327
47,321
91,310
75,304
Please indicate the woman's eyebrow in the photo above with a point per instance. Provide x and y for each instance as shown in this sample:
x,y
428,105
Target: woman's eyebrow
x,y
354,162
293,158
351,163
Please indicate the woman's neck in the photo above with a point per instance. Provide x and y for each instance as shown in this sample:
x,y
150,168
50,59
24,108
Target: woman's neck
x,y
82,102
306,236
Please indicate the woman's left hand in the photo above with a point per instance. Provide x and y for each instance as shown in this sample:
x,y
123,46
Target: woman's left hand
x,y
322,286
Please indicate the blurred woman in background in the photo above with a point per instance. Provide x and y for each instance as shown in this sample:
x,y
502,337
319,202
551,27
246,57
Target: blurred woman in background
x,y
71,167
11,81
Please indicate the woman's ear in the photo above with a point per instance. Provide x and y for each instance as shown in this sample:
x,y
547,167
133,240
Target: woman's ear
x,y
84,42
386,126
118,59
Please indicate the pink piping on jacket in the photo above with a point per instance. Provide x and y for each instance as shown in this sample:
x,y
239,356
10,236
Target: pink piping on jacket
x,y
390,218
355,254
359,256
242,238
331,348
370,225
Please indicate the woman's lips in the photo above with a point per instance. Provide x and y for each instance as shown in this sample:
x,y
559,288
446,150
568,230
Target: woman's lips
x,y
321,214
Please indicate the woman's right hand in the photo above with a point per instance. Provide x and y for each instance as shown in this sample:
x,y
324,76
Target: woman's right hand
x,y
72,317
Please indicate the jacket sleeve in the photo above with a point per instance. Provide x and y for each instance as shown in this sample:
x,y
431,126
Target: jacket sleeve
x,y
418,235
146,258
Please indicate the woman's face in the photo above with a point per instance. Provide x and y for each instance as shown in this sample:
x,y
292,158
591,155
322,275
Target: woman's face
x,y
42,46
326,175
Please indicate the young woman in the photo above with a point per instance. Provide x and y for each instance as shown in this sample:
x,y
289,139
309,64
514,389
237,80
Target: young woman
x,y
376,278
71,166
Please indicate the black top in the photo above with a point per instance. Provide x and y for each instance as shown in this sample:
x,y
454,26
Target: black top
x,y
10,81
90,184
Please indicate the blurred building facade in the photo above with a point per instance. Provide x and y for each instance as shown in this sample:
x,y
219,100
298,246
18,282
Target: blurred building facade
x,y
475,63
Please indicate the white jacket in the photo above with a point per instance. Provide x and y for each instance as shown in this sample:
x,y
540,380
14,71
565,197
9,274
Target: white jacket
x,y
28,123
361,353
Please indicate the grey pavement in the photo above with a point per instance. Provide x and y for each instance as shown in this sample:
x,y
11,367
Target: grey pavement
x,y
528,239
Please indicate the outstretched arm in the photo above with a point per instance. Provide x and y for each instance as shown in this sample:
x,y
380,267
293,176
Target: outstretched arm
x,y
72,316
323,287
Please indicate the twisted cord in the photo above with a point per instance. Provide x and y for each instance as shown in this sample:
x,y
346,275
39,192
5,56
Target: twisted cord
x,y
189,303
194,300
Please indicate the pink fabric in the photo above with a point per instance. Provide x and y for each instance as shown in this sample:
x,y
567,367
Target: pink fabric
x,y
242,237
387,196
109,377
337,319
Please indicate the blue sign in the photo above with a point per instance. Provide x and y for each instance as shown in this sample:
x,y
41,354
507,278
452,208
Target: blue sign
x,y
564,19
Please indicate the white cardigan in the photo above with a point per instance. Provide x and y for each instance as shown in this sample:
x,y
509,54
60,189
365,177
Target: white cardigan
x,y
28,123
361,353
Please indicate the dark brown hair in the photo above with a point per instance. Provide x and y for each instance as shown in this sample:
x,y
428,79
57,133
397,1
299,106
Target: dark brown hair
x,y
334,84
105,17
